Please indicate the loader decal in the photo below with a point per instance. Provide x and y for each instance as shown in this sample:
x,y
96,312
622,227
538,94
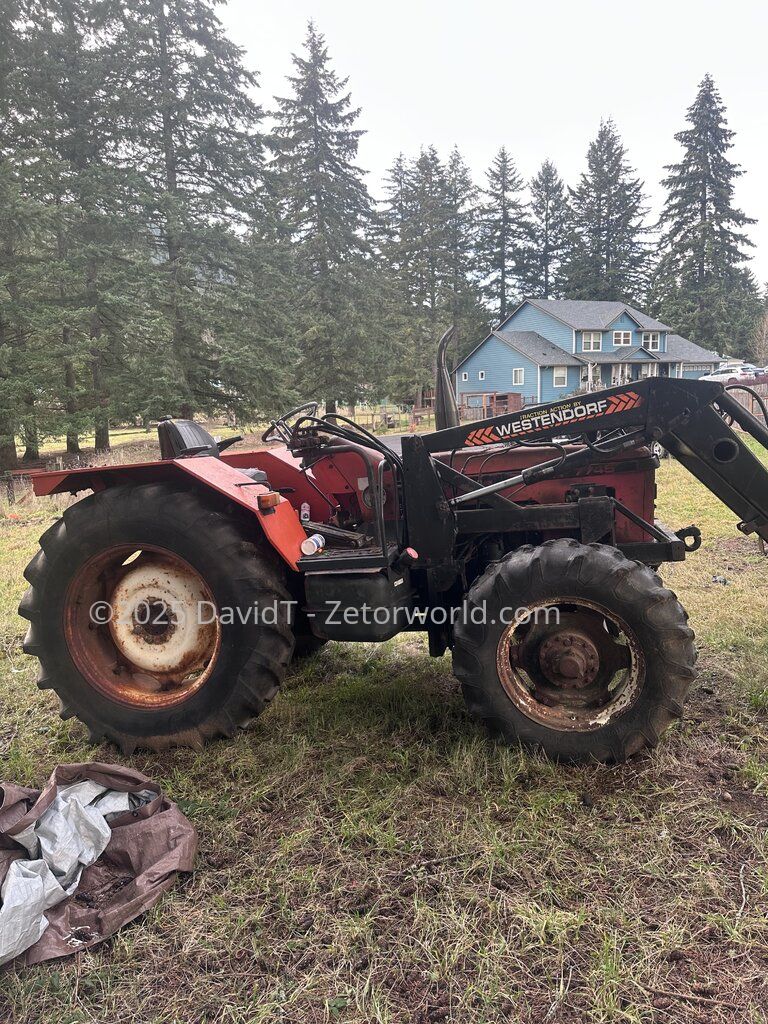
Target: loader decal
x,y
577,411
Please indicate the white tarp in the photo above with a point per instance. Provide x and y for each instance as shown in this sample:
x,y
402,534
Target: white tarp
x,y
71,834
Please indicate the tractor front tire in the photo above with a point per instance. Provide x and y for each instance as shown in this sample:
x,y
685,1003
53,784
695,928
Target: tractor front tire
x,y
599,680
156,618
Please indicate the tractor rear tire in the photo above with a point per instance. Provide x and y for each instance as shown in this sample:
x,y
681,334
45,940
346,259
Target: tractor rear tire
x,y
156,560
604,683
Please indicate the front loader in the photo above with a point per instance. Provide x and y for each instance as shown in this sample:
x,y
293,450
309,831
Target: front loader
x,y
166,607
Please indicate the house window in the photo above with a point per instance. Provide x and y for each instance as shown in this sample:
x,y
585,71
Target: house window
x,y
592,341
481,374
622,337
465,376
651,340
560,376
649,370
518,376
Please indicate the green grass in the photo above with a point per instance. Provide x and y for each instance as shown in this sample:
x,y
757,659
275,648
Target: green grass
x,y
368,855
118,436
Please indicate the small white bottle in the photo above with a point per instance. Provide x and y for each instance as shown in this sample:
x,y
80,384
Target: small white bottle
x,y
314,545
305,512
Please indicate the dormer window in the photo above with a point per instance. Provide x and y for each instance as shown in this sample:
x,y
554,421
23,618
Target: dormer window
x,y
651,340
622,338
592,341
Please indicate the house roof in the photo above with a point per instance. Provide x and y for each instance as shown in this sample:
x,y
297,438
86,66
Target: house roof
x,y
592,316
531,345
684,351
546,353
539,350
679,350
624,355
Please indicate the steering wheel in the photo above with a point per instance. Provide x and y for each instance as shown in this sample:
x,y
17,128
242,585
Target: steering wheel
x,y
280,427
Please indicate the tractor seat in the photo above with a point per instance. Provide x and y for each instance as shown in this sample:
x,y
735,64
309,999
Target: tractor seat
x,y
257,475
184,438
181,439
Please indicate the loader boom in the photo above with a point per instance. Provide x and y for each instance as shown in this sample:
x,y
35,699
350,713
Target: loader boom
x,y
688,417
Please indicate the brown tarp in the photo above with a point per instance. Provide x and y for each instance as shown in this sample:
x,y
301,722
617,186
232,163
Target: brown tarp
x,y
148,846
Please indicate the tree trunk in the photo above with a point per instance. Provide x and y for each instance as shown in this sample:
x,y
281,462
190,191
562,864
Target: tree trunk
x,y
29,432
73,441
100,394
101,429
172,227
8,456
31,444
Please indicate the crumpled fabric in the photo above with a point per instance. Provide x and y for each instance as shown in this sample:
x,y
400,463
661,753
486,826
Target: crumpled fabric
x,y
96,848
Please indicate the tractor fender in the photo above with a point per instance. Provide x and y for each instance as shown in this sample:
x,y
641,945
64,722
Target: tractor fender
x,y
281,525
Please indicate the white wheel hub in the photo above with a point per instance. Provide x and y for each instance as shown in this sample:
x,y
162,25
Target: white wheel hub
x,y
163,620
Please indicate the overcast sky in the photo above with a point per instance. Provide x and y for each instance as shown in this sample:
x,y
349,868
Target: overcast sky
x,y
536,77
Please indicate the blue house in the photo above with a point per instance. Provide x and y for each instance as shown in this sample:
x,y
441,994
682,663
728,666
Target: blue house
x,y
550,348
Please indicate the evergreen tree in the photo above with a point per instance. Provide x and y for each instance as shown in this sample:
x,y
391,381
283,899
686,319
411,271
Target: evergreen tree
x,y
758,350
607,257
503,232
60,142
548,233
702,286
430,250
328,210
195,134
426,231
463,294
12,220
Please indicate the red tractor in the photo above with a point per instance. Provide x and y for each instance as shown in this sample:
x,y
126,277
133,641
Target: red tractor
x,y
165,608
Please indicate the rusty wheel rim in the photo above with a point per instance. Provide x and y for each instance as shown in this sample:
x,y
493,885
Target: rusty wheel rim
x,y
141,626
575,671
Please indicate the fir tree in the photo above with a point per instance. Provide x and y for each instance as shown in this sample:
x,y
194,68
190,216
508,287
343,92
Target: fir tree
x,y
327,211
61,143
503,231
194,132
426,232
548,233
607,257
463,295
758,350
701,285
430,250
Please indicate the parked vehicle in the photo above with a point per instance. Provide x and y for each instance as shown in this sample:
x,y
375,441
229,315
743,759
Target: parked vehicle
x,y
741,374
166,607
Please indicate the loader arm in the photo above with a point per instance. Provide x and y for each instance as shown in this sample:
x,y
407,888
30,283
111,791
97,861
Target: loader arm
x,y
685,416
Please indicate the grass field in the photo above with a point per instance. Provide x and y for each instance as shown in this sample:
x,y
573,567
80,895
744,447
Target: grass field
x,y
367,855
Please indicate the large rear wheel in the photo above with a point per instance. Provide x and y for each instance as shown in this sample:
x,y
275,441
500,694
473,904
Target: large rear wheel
x,y
575,650
155,620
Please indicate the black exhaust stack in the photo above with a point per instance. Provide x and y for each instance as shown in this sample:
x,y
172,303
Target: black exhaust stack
x,y
446,409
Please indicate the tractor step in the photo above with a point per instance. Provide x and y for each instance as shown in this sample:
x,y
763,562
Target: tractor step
x,y
345,561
